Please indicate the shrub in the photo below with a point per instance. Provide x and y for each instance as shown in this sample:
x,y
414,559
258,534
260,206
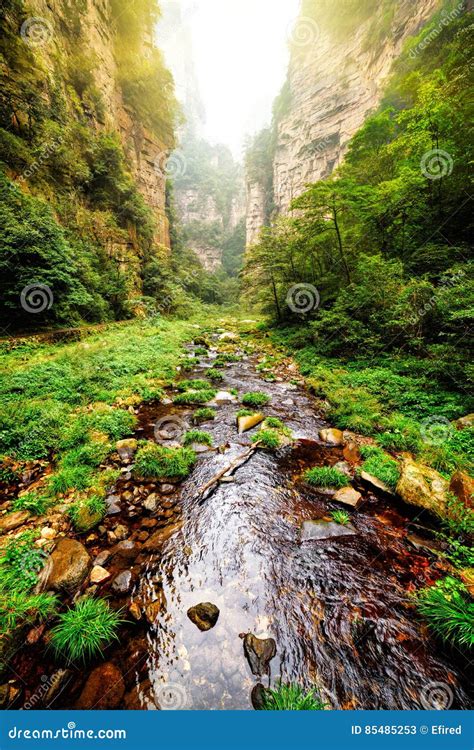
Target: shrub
x,y
87,512
193,385
292,698
255,399
326,476
36,504
341,517
380,465
203,415
213,374
83,631
197,436
449,611
73,478
157,462
194,397
268,439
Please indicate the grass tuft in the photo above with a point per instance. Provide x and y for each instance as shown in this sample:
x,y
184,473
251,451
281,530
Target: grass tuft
x,y
341,517
255,399
85,630
292,698
326,476
157,462
204,415
197,436
449,611
380,465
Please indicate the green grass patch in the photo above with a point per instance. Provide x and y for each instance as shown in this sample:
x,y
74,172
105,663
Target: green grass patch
x,y
449,611
326,476
341,517
255,399
204,415
380,465
37,504
197,436
88,512
193,385
85,630
157,462
292,698
245,413
215,375
268,439
191,398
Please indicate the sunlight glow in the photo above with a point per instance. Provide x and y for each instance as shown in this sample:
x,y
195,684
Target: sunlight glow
x,y
240,54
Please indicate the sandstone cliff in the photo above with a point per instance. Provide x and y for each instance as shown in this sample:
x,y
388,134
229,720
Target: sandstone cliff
x,y
335,79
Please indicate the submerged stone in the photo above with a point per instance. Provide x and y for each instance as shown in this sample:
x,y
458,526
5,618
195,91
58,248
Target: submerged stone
x,y
204,615
314,531
259,653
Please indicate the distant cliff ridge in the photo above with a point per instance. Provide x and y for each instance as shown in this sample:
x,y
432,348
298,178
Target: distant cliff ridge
x,y
335,79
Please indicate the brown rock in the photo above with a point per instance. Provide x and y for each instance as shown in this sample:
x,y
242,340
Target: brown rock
x,y
377,483
259,653
462,485
135,610
66,568
127,448
422,487
351,454
103,690
13,520
464,422
204,615
157,540
154,609
99,574
348,496
332,437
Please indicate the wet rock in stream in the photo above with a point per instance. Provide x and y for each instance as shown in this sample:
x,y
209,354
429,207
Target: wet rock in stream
x,y
259,653
103,690
204,615
67,567
313,531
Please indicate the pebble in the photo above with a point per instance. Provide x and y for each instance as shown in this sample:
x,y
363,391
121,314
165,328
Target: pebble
x,y
121,532
48,533
99,574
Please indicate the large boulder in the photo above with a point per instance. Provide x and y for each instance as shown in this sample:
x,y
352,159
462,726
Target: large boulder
x,y
66,568
204,615
259,653
465,422
103,690
423,487
462,485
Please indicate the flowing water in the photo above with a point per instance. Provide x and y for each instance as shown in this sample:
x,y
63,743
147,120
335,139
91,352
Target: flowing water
x,y
339,610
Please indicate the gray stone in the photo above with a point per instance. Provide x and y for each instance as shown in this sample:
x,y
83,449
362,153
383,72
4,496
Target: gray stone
x,y
313,531
122,583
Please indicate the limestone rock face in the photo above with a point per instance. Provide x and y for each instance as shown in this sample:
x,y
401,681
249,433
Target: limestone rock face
x,y
423,487
333,84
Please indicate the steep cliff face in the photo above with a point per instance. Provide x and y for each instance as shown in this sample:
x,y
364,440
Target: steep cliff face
x,y
145,153
335,79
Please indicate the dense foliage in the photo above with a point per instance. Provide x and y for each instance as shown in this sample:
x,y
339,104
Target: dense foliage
x,y
382,245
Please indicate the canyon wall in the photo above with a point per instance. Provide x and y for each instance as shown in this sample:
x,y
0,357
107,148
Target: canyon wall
x,y
145,154
335,79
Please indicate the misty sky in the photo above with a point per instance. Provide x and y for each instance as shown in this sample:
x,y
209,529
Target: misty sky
x,y
240,52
